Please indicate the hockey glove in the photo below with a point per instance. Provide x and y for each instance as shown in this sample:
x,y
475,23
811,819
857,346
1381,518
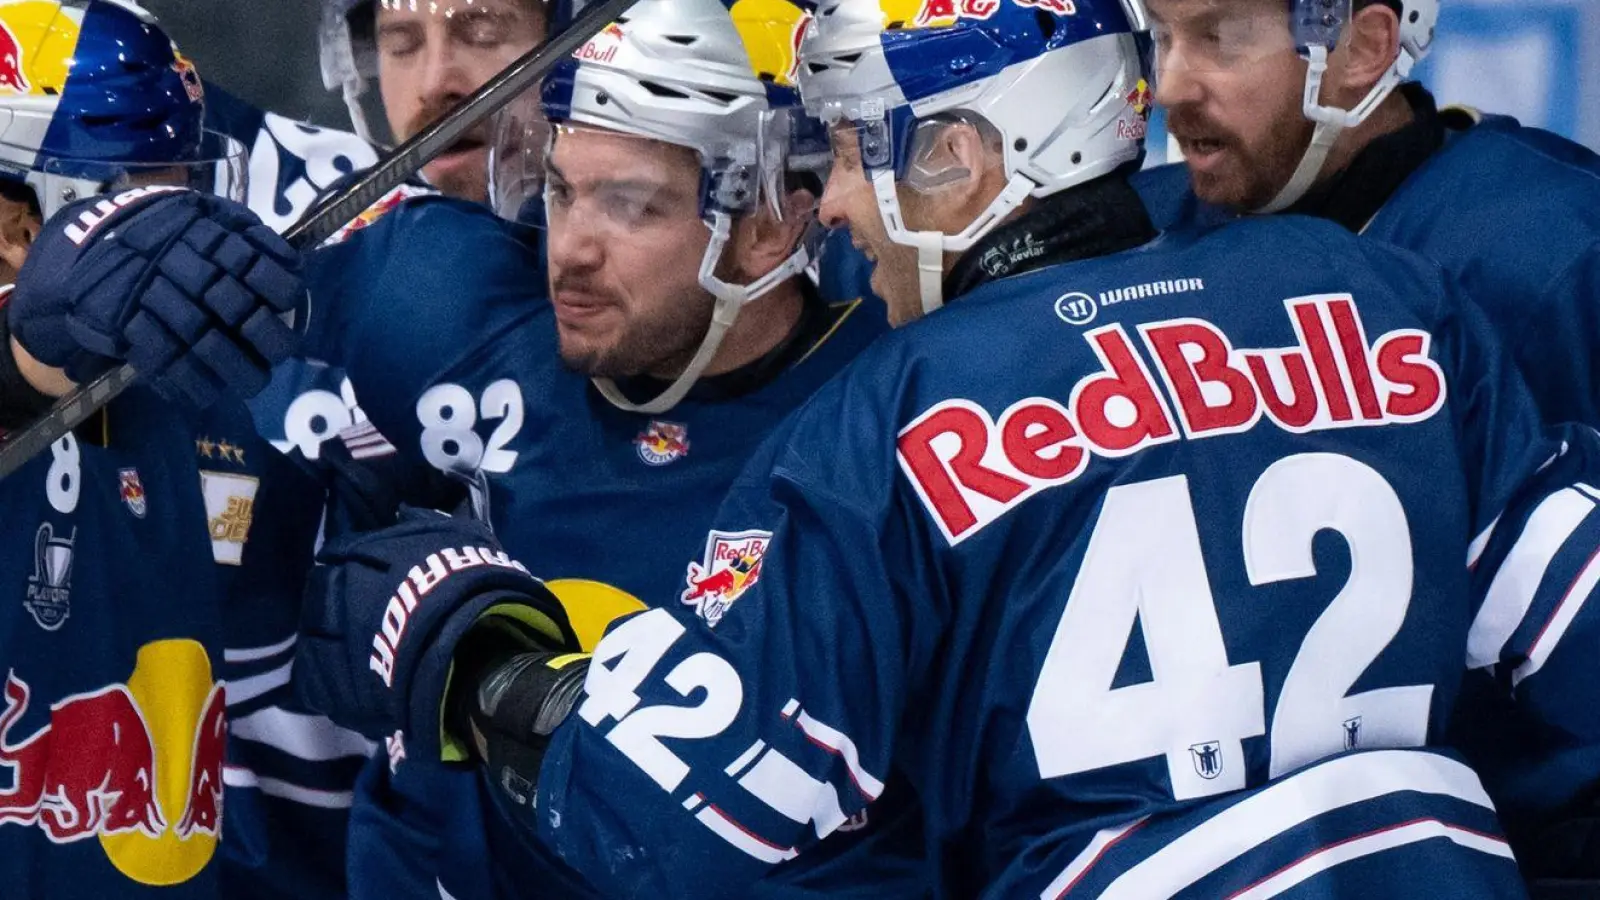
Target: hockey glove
x,y
384,613
188,287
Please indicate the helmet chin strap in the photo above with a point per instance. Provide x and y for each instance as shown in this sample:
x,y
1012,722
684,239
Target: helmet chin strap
x,y
1330,121
730,299
931,246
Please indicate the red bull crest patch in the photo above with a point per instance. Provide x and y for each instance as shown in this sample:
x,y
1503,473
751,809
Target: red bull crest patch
x,y
662,442
132,492
731,566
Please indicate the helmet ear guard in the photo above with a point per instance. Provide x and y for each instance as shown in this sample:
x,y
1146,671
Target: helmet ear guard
x,y
1316,26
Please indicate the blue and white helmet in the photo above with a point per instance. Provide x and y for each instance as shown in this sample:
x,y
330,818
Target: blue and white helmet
x,y
95,98
1316,26
1060,81
716,80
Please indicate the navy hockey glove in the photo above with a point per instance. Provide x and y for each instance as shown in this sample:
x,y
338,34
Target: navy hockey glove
x,y
188,287
385,611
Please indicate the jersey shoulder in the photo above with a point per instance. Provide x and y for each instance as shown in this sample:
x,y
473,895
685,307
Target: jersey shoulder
x,y
1541,193
431,273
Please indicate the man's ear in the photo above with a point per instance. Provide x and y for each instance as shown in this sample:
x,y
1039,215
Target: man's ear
x,y
1366,50
966,173
761,241
19,228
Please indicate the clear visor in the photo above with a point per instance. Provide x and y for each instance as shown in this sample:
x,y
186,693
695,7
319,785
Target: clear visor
x,y
1224,36
221,169
622,178
519,137
909,152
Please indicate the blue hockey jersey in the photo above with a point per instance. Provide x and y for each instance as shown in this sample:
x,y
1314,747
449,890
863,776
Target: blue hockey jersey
x,y
442,325
290,773
1149,571
1514,213
130,559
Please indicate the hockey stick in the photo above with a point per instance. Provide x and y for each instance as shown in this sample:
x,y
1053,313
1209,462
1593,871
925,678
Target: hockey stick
x,y
329,216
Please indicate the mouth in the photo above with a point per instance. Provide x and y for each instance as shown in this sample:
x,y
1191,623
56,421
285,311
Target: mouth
x,y
578,306
1200,149
865,251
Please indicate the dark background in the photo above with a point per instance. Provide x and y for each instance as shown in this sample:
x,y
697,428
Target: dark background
x,y
262,50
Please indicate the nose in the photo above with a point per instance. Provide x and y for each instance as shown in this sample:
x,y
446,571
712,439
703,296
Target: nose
x,y
573,245
1176,82
833,209
445,76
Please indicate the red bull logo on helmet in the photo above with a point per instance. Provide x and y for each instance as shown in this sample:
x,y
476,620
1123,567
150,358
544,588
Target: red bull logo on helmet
x,y
37,43
137,766
899,14
730,567
602,48
771,31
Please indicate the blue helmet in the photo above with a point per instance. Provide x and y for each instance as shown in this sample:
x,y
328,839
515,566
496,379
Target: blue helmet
x,y
94,96
1059,84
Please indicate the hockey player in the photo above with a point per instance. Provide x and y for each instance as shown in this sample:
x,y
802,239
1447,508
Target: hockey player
x,y
128,539
1514,212
1154,563
609,421
422,59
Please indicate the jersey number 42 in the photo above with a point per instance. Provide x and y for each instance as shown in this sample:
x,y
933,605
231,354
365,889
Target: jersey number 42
x,y
1144,560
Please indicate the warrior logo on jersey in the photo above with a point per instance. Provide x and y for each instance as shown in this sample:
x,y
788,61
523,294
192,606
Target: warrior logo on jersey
x,y
1207,759
1352,733
731,566
132,491
662,442
50,587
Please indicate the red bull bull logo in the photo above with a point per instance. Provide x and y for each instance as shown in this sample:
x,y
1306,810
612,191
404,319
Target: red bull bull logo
x,y
771,31
137,765
37,43
1141,101
898,14
602,48
12,77
730,567
662,442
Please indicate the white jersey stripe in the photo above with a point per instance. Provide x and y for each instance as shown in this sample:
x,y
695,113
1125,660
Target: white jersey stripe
x,y
247,689
301,735
251,654
1104,840
838,742
239,777
1365,845
776,781
1286,803
735,834
1511,592
1571,604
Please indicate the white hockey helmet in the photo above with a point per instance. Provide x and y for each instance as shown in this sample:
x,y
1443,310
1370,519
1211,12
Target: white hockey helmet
x,y
1062,82
695,74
